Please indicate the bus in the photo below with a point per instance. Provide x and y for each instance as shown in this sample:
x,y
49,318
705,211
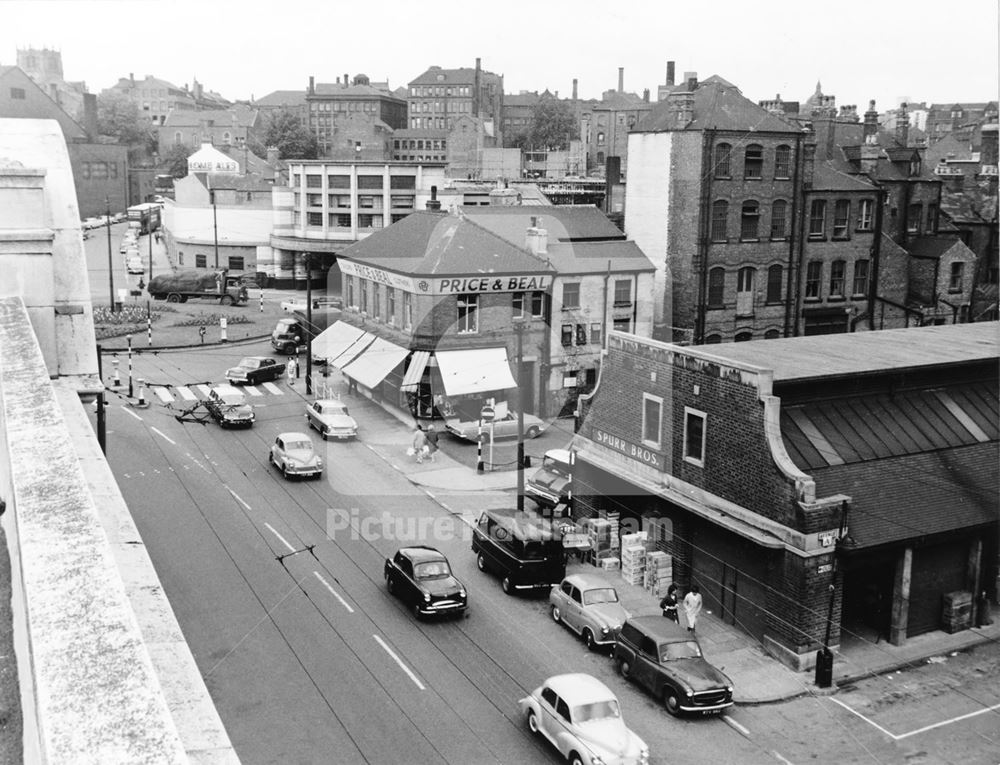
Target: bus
x,y
144,217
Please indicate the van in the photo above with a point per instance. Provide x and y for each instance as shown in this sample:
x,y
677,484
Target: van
x,y
549,486
287,336
524,550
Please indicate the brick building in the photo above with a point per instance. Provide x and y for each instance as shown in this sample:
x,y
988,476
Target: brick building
x,y
780,476
155,98
354,119
220,127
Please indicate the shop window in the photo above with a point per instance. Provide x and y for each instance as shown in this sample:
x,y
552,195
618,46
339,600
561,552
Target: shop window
x,y
363,294
468,313
407,310
376,301
652,420
390,304
694,436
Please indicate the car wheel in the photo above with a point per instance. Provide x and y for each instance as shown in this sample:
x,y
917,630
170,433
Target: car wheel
x,y
506,586
390,585
532,432
556,616
575,759
173,298
416,611
481,562
671,701
325,436
226,300
624,668
284,471
533,722
588,639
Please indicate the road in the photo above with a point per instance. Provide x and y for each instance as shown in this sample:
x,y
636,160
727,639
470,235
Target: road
x,y
96,249
278,588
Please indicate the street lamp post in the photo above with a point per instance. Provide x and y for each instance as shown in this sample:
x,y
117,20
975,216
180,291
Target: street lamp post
x,y
309,322
111,265
519,329
215,227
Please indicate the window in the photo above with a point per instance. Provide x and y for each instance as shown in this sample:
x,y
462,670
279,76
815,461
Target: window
x,y
595,333
314,181
537,304
694,436
349,292
957,277
407,310
600,138
913,215
932,218
517,305
571,295
235,262
753,161
314,219
713,339
749,218
376,300
390,304
623,292
841,217
716,287
314,200
814,274
370,182
837,271
723,154
17,94
779,214
363,289
772,334
782,162
774,279
338,181
340,220
743,337
744,291
468,310
581,334
720,211
622,325
860,278
567,335
865,207
652,417
817,219
200,261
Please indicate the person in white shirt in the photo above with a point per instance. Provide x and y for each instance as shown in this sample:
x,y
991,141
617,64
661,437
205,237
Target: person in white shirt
x,y
692,607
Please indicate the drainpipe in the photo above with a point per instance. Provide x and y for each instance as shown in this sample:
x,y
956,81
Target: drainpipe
x,y
881,198
704,212
604,336
793,290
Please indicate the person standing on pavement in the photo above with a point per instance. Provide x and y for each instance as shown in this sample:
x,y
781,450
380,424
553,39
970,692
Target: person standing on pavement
x,y
419,444
692,607
669,604
292,370
432,441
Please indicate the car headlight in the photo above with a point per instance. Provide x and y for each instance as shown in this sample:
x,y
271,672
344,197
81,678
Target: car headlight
x,y
427,596
605,630
729,688
462,593
595,760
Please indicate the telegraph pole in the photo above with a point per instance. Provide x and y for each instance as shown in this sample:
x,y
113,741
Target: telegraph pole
x,y
111,271
215,226
309,323
519,328
150,255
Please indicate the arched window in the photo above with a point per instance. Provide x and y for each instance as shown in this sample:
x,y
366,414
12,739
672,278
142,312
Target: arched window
x,y
774,279
227,138
742,337
713,339
723,152
178,138
772,334
720,211
749,218
753,161
716,287
782,162
779,219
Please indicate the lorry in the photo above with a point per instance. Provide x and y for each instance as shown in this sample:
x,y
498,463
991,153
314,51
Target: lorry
x,y
181,285
292,333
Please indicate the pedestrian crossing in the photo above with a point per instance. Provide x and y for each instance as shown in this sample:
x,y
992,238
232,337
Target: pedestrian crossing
x,y
192,393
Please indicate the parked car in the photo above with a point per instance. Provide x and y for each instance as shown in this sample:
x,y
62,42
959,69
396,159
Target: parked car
x,y
134,264
549,486
229,407
589,606
421,577
332,419
666,660
293,454
581,717
253,370
503,427
526,551
318,303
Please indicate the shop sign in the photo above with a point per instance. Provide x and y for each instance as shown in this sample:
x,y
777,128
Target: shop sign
x,y
376,275
639,453
506,283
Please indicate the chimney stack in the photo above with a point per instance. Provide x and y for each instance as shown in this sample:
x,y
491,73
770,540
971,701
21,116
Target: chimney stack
x,y
670,73
433,203
691,80
312,85
476,86
902,125
870,129
131,79
621,79
574,88
645,95
273,155
988,149
347,80
536,237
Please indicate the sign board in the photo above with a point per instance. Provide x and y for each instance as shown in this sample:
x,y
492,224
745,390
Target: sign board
x,y
640,453
487,413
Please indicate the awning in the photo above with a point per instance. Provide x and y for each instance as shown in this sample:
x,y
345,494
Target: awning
x,y
377,360
415,372
352,351
474,371
334,340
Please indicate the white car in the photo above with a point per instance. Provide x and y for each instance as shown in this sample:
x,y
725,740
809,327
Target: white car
x,y
293,454
134,265
502,427
331,418
321,303
581,717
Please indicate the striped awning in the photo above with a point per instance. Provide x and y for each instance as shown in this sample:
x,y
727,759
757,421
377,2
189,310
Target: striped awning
x,y
415,372
375,362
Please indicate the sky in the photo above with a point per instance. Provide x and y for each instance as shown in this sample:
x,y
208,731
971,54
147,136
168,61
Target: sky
x,y
859,50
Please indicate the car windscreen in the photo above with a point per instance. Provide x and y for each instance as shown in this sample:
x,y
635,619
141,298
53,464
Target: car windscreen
x,y
685,649
556,466
248,362
232,399
435,569
597,710
334,409
600,595
298,446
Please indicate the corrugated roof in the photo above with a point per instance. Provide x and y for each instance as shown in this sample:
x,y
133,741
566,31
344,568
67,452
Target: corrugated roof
x,y
428,243
561,223
916,495
829,356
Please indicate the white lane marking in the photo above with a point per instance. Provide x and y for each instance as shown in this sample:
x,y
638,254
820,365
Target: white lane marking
x,y
735,725
270,386
204,389
129,411
947,722
399,661
163,394
274,531
252,390
239,499
333,592
186,393
782,759
870,722
163,435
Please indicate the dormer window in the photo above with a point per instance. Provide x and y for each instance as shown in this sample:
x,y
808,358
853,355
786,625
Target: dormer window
x,y
914,167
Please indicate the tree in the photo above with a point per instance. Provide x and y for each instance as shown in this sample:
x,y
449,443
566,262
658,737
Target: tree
x,y
284,130
176,159
120,118
553,125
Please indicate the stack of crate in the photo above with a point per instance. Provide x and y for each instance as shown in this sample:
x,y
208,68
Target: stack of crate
x,y
613,521
659,573
599,533
633,563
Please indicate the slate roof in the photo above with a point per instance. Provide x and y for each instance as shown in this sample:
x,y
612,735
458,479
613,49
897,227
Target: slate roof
x,y
931,246
245,117
282,98
620,102
718,105
579,258
463,76
561,223
831,175
430,243
349,91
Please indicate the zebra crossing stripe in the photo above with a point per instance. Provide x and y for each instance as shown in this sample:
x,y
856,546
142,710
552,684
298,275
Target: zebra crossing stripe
x,y
185,393
252,390
203,389
272,388
163,394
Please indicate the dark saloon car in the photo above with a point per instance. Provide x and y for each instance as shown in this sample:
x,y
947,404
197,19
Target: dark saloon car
x,y
253,370
666,660
421,577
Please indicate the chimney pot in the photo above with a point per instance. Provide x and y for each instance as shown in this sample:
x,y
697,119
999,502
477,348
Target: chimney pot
x,y
574,88
670,73
621,79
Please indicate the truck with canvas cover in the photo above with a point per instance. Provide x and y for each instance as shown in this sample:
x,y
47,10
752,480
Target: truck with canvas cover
x,y
181,285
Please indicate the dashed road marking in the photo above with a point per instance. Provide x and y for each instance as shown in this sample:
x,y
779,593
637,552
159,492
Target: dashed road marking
x,y
782,759
274,389
238,498
335,594
129,411
735,725
399,661
252,390
163,435
185,393
275,532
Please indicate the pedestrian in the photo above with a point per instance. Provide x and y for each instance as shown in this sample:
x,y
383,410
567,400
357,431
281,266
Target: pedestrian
x,y
669,604
432,441
157,237
419,444
292,370
692,607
